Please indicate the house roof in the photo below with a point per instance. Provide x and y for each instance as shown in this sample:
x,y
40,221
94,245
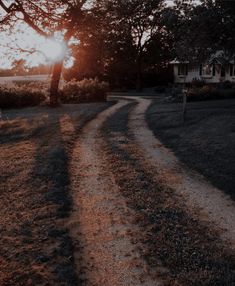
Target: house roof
x,y
219,57
218,60
175,62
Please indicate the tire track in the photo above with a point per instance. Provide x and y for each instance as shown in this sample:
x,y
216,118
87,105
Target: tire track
x,y
178,247
101,223
215,207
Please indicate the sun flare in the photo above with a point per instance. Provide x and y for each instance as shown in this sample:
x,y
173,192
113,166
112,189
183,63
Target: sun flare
x,y
34,49
53,50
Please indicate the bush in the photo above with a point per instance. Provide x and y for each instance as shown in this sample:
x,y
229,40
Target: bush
x,y
87,90
16,97
21,83
225,85
209,92
160,89
198,82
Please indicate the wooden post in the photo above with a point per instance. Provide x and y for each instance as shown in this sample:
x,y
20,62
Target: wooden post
x,y
184,104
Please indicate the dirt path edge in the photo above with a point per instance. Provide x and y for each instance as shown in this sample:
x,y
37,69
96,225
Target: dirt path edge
x,y
200,196
101,223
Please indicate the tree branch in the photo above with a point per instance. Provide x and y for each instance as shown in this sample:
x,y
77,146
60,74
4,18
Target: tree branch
x,y
17,7
5,8
29,21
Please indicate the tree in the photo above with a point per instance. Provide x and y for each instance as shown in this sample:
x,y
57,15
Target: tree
x,y
19,67
121,41
129,26
227,24
201,29
47,18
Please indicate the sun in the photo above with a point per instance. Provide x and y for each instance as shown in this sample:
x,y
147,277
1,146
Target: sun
x,y
53,50
34,49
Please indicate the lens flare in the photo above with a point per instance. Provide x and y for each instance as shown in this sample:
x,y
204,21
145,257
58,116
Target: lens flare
x,y
53,50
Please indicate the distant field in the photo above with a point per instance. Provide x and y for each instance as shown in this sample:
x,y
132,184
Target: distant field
x,y
10,79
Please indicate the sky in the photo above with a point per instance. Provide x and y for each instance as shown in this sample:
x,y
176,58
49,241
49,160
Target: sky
x,y
23,40
34,49
27,39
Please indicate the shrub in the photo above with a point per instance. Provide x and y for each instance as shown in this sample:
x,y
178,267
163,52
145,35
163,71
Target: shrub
x,y
160,89
23,82
226,93
226,85
198,82
17,97
87,90
208,92
42,86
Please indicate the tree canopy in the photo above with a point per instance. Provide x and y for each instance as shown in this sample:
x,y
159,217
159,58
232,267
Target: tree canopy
x,y
125,41
51,19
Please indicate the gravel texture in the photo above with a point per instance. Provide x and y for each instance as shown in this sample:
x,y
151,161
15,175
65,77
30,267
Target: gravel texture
x,y
178,247
82,204
101,224
35,200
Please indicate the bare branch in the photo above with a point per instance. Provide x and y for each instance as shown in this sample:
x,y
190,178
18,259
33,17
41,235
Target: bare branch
x,y
29,21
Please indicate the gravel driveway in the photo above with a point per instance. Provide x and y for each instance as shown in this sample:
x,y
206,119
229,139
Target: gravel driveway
x,y
90,197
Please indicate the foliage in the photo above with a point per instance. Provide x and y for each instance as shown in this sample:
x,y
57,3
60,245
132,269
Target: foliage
x,y
226,85
198,82
27,83
35,85
209,92
58,18
86,90
17,97
201,28
121,41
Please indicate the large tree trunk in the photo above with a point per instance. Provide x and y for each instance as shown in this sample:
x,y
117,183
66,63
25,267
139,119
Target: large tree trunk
x,y
55,80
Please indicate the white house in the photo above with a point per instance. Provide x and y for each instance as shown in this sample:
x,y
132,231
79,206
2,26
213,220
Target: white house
x,y
215,71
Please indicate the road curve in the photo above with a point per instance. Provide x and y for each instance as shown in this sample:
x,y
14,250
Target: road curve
x,y
101,223
214,206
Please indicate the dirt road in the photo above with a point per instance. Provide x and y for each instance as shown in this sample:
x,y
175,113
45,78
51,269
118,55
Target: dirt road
x,y
139,216
88,196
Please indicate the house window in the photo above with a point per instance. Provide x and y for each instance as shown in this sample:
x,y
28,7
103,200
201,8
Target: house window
x,y
207,70
232,70
183,69
222,71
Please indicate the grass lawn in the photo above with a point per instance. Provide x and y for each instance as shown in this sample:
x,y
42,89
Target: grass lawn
x,y
35,148
206,142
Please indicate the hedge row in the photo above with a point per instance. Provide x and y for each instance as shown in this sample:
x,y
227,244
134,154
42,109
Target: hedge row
x,y
19,97
31,94
87,90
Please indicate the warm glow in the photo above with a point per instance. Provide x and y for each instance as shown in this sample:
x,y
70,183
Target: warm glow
x,y
53,50
69,62
24,43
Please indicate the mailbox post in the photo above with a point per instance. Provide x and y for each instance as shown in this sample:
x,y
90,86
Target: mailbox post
x,y
185,92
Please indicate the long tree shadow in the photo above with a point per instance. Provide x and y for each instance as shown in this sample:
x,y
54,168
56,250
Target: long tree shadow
x,y
51,177
14,131
189,249
37,243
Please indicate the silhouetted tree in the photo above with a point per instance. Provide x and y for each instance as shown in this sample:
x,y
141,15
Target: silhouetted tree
x,y
47,18
118,38
201,29
136,21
